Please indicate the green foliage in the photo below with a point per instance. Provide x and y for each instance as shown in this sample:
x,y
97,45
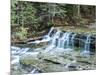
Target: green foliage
x,y
37,17
22,34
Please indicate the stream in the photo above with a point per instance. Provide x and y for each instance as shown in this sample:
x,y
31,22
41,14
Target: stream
x,y
59,48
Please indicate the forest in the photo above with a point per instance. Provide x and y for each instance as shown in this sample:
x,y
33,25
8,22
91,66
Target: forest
x,y
30,19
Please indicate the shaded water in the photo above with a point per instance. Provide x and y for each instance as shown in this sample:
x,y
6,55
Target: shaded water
x,y
86,47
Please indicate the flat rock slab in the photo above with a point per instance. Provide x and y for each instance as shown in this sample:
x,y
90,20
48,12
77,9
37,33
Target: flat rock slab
x,y
59,62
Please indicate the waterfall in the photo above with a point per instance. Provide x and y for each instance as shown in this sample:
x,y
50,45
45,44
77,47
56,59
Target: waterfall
x,y
87,46
50,31
58,39
87,43
72,40
67,41
54,39
63,40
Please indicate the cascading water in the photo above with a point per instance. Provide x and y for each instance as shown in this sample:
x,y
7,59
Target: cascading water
x,y
51,30
54,39
87,43
62,40
57,41
67,41
72,40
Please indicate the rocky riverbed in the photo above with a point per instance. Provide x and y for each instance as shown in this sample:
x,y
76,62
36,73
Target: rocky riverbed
x,y
56,60
58,51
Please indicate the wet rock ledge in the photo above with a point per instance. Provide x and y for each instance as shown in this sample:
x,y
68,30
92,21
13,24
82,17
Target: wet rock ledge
x,y
58,62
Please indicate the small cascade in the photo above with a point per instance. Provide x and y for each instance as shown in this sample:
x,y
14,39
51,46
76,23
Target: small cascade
x,y
33,71
63,40
72,40
87,45
55,37
58,39
50,31
67,41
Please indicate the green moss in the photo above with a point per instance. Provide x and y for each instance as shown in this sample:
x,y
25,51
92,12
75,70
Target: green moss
x,y
29,60
78,29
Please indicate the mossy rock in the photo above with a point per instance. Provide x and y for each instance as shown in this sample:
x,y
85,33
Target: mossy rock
x,y
86,60
29,59
77,29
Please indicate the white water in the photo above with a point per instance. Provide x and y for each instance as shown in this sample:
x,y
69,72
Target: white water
x,y
61,42
33,71
56,41
67,41
72,40
56,36
17,52
86,51
87,43
50,31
